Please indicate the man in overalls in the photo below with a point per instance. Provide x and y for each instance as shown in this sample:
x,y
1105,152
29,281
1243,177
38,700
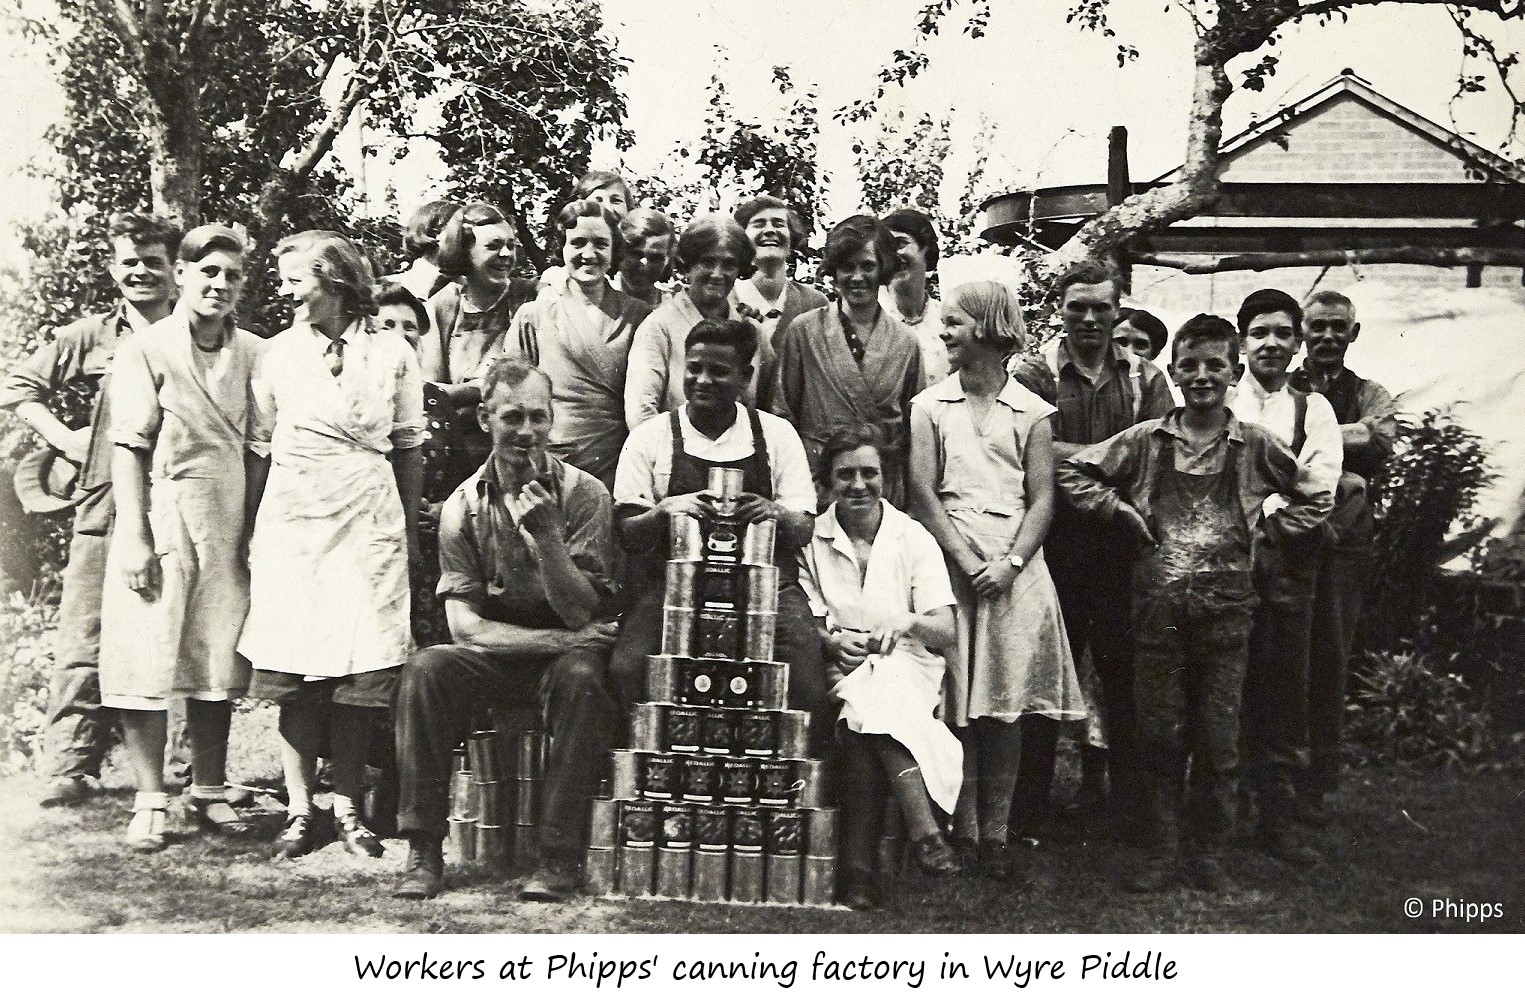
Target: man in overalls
x,y
664,469
77,734
1368,427
1190,488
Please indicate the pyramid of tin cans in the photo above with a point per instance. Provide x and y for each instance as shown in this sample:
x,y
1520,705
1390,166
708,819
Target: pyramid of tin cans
x,y
716,799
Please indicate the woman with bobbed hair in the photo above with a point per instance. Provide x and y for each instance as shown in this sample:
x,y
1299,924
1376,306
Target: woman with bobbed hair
x,y
908,297
884,608
580,337
649,246
480,247
420,244
982,481
339,419
777,233
175,590
713,253
851,362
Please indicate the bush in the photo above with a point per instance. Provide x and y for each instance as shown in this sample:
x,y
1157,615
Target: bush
x,y
26,652
1403,709
1428,488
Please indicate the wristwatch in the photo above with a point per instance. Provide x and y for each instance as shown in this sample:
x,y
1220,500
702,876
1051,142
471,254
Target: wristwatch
x,y
1017,562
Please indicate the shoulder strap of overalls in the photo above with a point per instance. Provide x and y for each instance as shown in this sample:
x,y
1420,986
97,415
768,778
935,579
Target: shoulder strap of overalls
x,y
760,450
1299,420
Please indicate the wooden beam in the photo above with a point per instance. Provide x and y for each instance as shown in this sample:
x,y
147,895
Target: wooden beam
x,y
1420,255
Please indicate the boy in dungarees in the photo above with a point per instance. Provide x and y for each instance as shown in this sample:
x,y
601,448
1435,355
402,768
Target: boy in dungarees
x,y
1189,488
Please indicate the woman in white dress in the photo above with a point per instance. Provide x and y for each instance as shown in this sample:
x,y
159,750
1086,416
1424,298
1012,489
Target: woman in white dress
x,y
882,600
176,590
982,481
339,412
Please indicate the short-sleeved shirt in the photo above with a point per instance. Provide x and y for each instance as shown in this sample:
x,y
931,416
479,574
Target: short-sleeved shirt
x,y
491,563
906,572
646,462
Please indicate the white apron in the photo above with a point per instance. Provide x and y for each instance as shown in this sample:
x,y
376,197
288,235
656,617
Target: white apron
x,y
329,592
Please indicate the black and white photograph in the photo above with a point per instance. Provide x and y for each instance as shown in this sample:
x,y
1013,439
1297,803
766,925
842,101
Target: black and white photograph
x,y
785,471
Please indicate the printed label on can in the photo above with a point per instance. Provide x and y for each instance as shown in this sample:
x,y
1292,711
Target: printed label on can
x,y
677,826
785,831
739,781
712,827
638,823
755,734
701,778
715,728
683,727
659,776
747,830
775,782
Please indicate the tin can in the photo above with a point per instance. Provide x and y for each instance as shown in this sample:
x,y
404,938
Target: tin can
x,y
757,545
530,752
696,684
463,840
624,766
762,589
772,685
646,727
821,832
747,830
810,784
738,781
636,869
677,631
601,870
785,877
701,778
638,823
715,732
785,831
492,844
459,762
674,872
603,822
463,797
719,633
709,880
683,729
682,584
726,483
526,849
483,760
678,826
755,734
775,782
712,827
820,881
747,877
526,802
489,805
793,734
663,676
686,538
759,635
659,776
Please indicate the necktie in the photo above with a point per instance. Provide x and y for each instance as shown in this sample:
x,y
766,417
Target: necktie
x,y
335,354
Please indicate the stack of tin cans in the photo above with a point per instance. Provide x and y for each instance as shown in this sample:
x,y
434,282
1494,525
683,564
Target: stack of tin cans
x,y
495,796
716,798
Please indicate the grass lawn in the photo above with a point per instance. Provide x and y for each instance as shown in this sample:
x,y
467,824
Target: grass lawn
x,y
1401,834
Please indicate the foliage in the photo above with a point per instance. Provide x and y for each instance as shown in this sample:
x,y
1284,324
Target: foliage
x,y
902,167
26,633
1403,709
1427,489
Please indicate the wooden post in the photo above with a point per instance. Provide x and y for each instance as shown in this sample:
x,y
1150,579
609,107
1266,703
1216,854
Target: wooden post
x,y
1119,188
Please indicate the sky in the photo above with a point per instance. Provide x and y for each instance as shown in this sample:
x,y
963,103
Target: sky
x,y
1051,90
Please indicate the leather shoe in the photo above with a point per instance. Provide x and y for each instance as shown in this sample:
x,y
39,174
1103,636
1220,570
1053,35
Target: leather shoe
x,y
357,839
860,891
552,881
67,791
424,876
299,838
935,857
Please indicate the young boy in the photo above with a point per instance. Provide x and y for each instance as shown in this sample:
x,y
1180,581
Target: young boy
x,y
1275,716
1189,488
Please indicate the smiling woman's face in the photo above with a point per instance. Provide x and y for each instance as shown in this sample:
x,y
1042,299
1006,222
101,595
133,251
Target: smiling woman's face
x,y
856,478
494,252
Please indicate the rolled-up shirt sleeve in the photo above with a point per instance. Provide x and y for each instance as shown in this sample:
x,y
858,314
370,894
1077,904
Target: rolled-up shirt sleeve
x,y
930,586
460,558
1379,414
1090,480
635,475
136,414
409,426
793,486
38,377
810,584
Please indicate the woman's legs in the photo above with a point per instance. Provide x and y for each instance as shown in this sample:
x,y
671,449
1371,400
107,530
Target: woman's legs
x,y
144,734
349,742
301,728
1000,754
209,722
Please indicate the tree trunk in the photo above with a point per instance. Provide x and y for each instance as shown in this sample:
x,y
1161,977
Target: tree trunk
x,y
1195,191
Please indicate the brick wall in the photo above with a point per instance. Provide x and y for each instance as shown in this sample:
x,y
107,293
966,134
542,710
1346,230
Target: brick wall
x,y
1345,141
